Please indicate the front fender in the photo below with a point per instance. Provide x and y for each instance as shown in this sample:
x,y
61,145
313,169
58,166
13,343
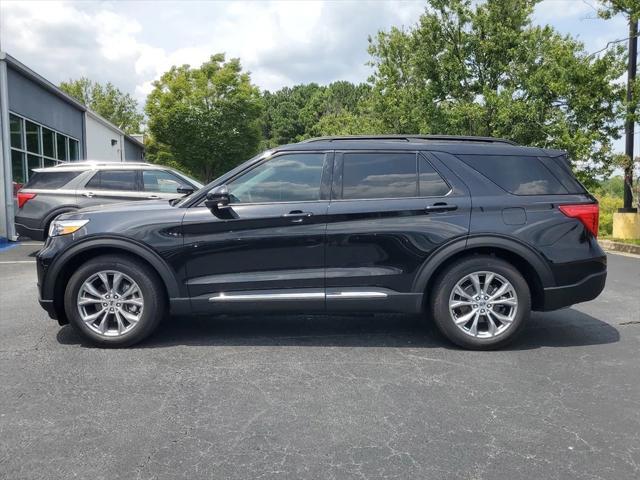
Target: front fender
x,y
125,245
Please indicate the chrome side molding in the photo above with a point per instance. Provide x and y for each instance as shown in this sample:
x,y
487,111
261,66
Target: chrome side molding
x,y
252,297
356,294
308,295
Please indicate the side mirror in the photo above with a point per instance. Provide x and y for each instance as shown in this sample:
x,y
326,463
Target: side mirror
x,y
185,190
218,200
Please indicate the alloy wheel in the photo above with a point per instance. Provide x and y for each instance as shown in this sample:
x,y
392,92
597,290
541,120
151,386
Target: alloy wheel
x,y
483,304
110,303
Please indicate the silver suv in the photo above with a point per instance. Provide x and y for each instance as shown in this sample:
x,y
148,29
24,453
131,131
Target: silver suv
x,y
71,186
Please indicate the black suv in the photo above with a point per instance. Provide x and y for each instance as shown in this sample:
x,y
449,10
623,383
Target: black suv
x,y
475,232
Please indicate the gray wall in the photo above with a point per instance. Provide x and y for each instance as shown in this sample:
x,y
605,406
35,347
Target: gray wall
x,y
132,151
32,101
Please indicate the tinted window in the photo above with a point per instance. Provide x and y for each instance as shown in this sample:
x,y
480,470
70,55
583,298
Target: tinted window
x,y
160,181
288,178
33,162
379,175
559,166
17,166
51,179
61,146
33,137
431,183
73,150
48,141
15,127
515,174
113,180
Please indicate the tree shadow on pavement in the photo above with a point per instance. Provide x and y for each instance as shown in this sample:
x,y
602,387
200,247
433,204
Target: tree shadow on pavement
x,y
563,328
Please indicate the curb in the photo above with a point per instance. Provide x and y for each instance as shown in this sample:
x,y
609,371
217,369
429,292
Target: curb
x,y
619,246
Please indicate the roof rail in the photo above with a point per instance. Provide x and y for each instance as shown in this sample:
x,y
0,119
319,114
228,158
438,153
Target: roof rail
x,y
413,138
95,163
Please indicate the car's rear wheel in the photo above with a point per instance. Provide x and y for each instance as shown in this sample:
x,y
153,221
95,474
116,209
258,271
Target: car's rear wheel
x,y
114,301
481,302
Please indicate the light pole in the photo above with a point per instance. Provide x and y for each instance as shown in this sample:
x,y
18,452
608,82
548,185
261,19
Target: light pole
x,y
629,123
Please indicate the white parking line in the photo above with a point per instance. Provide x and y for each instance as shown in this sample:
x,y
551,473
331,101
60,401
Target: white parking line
x,y
17,261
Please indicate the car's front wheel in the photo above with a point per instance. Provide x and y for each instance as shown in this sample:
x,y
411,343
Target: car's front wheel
x,y
481,302
114,300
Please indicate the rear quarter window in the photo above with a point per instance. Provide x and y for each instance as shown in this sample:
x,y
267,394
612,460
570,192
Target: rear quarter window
x,y
520,175
51,180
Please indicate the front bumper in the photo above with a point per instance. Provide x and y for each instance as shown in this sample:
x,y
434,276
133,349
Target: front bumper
x,y
48,306
566,295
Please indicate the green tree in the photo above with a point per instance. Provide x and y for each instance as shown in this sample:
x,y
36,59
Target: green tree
x,y
303,111
119,108
206,119
485,69
284,120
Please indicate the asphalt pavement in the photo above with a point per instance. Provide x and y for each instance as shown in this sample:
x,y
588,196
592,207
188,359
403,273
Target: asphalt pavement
x,y
342,397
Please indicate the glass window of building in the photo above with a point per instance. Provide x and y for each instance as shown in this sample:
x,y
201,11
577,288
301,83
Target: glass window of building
x,y
73,150
32,133
34,146
16,131
48,143
17,165
61,145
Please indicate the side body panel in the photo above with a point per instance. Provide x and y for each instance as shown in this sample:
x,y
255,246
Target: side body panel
x,y
379,246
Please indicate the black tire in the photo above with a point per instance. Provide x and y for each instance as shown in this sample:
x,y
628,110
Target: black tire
x,y
446,282
150,286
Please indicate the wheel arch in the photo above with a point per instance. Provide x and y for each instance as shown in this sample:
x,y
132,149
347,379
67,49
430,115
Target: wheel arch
x,y
529,263
53,214
62,268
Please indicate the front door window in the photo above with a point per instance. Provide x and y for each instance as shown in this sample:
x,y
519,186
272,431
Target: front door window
x,y
292,177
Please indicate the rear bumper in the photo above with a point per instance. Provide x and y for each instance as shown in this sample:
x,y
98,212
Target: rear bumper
x,y
25,231
583,291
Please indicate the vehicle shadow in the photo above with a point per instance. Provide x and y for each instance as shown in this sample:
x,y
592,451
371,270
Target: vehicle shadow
x,y
563,328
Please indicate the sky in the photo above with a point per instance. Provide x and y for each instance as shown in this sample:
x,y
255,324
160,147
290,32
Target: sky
x,y
282,43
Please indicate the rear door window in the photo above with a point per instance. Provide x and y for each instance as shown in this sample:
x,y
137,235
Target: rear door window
x,y
379,175
51,180
113,180
431,183
520,175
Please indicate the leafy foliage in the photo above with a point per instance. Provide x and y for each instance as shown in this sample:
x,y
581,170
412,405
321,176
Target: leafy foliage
x,y
467,68
206,119
119,108
295,113
484,69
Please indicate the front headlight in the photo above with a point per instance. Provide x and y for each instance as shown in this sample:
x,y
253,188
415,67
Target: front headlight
x,y
65,227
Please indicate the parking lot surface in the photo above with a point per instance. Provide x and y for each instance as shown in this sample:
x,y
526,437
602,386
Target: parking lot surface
x,y
344,397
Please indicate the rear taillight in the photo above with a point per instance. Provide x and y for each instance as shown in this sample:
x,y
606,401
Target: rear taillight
x,y
588,214
24,198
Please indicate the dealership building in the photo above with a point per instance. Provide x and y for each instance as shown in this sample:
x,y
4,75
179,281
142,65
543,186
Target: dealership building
x,y
41,126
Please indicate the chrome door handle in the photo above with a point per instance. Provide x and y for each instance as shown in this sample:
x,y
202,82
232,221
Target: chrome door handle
x,y
88,194
153,197
297,216
441,207
297,213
